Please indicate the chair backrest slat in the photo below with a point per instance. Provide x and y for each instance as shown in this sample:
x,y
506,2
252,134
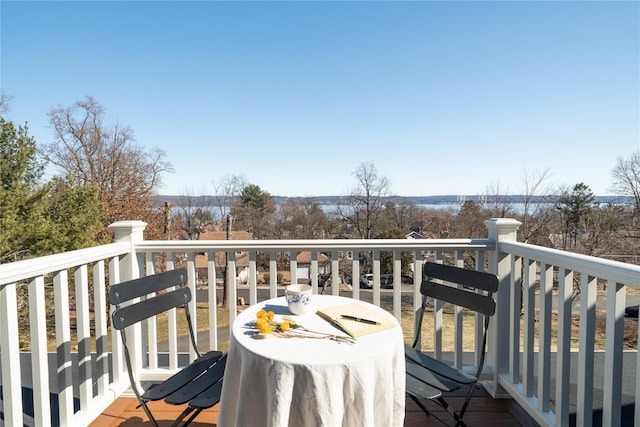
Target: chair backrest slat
x,y
146,285
481,303
128,315
471,278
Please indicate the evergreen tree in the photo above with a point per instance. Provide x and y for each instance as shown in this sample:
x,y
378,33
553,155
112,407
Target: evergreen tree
x,y
36,218
22,208
254,210
575,206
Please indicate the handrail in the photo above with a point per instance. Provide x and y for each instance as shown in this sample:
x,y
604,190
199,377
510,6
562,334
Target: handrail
x,y
337,244
617,271
25,269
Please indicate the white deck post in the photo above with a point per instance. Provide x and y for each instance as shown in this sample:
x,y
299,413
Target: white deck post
x,y
130,267
500,229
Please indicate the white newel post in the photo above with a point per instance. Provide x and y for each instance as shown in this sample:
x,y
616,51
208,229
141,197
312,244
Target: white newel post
x,y
130,268
500,230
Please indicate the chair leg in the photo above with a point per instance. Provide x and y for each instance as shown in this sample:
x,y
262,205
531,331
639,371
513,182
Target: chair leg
x,y
188,410
148,412
426,411
457,416
417,401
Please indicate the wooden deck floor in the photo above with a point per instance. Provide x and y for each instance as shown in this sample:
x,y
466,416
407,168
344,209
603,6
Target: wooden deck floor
x,y
482,411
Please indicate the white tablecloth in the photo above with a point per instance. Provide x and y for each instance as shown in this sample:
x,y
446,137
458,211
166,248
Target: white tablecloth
x,y
313,382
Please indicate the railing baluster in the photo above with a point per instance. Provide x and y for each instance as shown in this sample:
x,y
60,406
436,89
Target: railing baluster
x,y
152,323
172,321
231,286
39,362
83,331
273,275
252,278
417,298
397,284
117,357
515,310
193,304
376,277
63,346
530,283
10,356
100,321
335,273
544,336
616,295
293,267
212,298
314,272
437,319
458,321
478,326
584,416
565,291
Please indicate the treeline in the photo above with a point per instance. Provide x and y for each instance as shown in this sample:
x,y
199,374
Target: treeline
x,y
104,176
563,218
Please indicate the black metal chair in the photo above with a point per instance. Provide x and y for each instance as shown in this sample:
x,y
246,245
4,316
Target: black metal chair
x,y
428,378
199,384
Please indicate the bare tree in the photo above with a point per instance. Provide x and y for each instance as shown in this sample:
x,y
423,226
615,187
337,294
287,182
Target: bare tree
x,y
301,219
469,222
4,102
538,205
365,204
92,153
495,201
194,212
227,190
626,179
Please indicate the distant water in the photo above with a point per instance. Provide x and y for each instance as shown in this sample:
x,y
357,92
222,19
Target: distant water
x,y
516,208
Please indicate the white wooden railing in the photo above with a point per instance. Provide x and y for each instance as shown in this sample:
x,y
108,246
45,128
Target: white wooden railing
x,y
546,277
86,379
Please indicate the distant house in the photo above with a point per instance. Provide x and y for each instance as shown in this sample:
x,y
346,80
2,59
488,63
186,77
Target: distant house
x,y
414,235
423,254
303,270
242,258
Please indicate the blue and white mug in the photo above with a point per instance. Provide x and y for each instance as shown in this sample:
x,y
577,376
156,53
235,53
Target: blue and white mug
x,y
298,298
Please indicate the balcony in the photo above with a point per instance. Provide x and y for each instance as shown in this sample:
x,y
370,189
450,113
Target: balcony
x,y
542,350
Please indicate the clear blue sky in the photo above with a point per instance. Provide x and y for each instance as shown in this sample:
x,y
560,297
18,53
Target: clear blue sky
x,y
444,97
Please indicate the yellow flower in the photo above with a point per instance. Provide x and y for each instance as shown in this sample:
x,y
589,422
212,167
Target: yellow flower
x,y
264,328
265,323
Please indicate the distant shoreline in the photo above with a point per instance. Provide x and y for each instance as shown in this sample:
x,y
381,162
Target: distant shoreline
x,y
418,200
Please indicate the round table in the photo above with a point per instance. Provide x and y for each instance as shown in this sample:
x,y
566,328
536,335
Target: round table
x,y
313,382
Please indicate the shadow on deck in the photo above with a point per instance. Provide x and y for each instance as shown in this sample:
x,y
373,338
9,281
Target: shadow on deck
x,y
483,410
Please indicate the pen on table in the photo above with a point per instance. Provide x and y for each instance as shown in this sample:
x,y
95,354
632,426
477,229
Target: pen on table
x,y
360,319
